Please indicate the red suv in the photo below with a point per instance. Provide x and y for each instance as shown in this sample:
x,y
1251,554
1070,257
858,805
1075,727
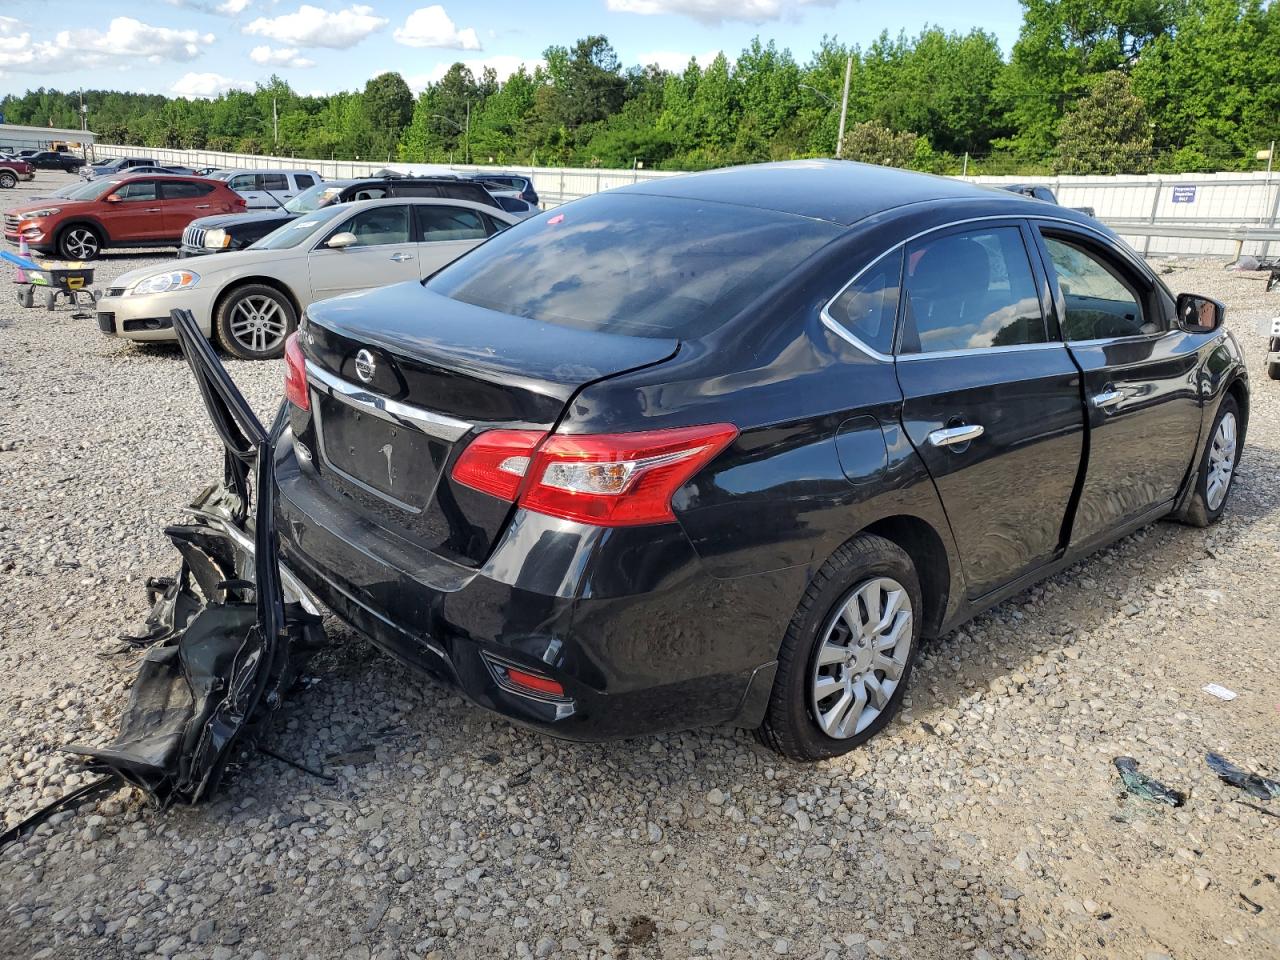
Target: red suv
x,y
139,211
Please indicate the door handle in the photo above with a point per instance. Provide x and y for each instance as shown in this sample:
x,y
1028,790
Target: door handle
x,y
401,257
151,210
954,436
202,206
1107,398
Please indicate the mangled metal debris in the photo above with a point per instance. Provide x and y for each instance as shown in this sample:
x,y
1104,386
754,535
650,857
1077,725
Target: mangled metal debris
x,y
1253,784
224,644
1140,785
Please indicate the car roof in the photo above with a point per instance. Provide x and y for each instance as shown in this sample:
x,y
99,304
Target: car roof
x,y
839,191
417,202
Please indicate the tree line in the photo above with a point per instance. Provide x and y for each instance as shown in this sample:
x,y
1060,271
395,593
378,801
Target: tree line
x,y
1090,86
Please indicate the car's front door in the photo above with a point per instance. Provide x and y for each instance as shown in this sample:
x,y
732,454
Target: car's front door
x,y
990,400
447,233
1139,378
133,213
384,252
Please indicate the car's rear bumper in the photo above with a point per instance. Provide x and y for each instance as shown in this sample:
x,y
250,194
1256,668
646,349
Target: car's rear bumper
x,y
640,637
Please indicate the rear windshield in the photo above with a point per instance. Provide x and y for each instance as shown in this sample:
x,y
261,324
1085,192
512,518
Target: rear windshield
x,y
632,264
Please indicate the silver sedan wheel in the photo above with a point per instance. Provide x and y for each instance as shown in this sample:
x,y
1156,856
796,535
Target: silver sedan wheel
x,y
864,652
81,243
259,323
1222,462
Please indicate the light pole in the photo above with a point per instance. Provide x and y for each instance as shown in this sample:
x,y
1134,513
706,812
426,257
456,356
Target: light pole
x,y
465,131
804,86
844,105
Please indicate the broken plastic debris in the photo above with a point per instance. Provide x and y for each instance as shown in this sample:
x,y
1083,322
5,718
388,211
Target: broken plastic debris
x,y
1219,691
1245,262
1140,785
1251,783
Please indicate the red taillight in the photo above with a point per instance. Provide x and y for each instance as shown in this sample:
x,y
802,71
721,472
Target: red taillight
x,y
610,479
295,374
531,681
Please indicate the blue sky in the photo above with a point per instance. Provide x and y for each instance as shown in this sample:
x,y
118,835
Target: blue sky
x,y
202,47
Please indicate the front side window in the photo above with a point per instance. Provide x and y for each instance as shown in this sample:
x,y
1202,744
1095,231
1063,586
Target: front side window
x,y
246,181
379,226
450,223
868,307
969,291
1099,304
136,190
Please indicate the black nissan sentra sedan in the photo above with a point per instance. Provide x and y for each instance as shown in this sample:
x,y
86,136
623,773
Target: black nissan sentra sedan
x,y
726,447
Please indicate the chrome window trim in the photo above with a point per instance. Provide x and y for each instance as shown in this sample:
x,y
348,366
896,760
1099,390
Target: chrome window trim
x,y
970,351
434,424
839,330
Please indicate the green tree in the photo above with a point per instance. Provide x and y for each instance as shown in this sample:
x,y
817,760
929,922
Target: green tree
x,y
1107,131
388,106
872,142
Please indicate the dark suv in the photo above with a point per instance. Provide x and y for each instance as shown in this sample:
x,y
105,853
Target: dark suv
x,y
237,231
514,183
56,160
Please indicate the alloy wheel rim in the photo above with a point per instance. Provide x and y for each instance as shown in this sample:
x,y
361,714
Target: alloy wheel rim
x,y
1222,462
81,244
258,323
865,648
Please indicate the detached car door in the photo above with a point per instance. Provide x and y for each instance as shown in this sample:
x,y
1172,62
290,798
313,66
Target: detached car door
x,y
991,402
384,253
133,213
447,233
1140,381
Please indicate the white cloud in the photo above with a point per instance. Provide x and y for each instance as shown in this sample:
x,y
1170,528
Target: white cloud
x,y
125,39
310,26
232,7
675,62
504,66
431,27
205,85
279,57
717,11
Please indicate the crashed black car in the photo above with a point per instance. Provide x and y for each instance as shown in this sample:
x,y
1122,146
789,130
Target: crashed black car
x,y
725,447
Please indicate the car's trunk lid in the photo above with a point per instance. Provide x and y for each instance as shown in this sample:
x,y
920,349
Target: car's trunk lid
x,y
402,378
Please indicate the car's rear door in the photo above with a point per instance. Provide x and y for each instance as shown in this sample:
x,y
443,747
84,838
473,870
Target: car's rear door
x,y
133,212
1140,379
183,201
277,187
446,232
386,251
991,401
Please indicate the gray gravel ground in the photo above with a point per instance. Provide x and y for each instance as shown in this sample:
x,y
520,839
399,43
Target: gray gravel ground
x,y
985,823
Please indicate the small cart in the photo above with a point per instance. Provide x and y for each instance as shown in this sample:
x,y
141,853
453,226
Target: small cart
x,y
66,279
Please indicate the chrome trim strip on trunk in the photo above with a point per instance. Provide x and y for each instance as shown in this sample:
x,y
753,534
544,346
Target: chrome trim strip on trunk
x,y
435,424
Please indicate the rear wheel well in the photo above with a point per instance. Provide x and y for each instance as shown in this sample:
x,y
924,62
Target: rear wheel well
x,y
928,555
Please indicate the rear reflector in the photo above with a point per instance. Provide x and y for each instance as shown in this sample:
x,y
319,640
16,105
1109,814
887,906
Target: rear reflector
x,y
534,683
295,374
612,479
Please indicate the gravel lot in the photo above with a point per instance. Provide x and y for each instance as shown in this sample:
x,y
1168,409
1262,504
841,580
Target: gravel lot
x,y
987,822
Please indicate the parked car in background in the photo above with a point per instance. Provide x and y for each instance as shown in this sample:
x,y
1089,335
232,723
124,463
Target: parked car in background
x,y
250,300
221,234
268,189
11,171
56,160
515,204
122,211
1039,192
520,185
725,447
110,167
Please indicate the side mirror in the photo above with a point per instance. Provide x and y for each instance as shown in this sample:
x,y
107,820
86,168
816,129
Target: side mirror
x,y
340,241
113,198
1197,314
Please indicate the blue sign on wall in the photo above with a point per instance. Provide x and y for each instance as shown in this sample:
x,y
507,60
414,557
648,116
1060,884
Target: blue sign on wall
x,y
1184,194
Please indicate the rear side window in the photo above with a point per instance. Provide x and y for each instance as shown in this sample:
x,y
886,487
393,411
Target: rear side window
x,y
416,190
1099,304
274,181
868,307
467,191
449,223
969,291
304,180
178,190
633,264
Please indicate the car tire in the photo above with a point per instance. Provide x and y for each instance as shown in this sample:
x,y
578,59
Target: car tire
x,y
802,720
79,241
1273,369
1215,474
253,321
7,180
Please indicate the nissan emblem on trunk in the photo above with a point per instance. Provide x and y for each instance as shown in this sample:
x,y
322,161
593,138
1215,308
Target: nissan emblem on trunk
x,y
365,366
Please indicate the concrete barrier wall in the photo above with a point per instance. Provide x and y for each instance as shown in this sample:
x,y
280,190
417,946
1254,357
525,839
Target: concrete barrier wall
x,y
1216,199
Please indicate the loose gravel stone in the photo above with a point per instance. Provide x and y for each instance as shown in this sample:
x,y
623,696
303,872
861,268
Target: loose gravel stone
x,y
985,822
